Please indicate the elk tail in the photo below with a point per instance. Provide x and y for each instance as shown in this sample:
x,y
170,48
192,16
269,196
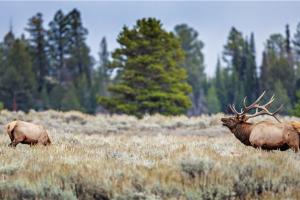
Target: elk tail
x,y
49,141
296,126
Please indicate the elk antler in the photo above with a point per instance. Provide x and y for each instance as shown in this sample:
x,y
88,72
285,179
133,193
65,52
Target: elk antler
x,y
232,108
256,102
255,105
246,108
264,110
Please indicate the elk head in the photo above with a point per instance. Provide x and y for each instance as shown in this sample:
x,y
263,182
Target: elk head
x,y
243,116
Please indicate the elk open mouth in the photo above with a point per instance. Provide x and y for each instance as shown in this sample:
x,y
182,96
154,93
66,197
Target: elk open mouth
x,y
224,122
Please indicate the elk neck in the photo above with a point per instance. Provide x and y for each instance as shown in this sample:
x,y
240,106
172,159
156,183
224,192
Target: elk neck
x,y
243,131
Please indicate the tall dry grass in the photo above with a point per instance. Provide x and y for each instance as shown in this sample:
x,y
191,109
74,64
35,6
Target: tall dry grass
x,y
121,157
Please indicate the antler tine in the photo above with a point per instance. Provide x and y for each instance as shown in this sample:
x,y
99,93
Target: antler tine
x,y
276,111
245,101
233,106
257,100
256,105
247,108
233,109
269,102
264,110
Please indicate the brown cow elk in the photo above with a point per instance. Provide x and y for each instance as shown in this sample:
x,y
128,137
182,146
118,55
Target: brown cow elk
x,y
266,135
27,133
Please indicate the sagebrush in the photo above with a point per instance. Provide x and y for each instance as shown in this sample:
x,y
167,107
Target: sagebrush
x,y
157,157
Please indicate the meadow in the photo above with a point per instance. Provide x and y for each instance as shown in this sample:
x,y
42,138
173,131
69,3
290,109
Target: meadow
x,y
157,157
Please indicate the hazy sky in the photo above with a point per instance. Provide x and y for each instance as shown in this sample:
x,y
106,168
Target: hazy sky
x,y
212,20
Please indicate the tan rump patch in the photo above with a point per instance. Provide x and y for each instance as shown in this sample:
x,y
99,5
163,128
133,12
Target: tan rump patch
x,y
296,126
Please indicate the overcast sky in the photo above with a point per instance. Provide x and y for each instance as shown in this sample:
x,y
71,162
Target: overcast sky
x,y
212,20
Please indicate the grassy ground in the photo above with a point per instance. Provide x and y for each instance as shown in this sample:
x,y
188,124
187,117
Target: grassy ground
x,y
120,157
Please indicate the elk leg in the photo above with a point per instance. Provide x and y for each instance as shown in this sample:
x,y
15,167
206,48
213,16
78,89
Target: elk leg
x,y
294,142
14,143
295,148
284,147
17,140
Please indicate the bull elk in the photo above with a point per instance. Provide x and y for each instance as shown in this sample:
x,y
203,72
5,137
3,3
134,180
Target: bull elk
x,y
266,135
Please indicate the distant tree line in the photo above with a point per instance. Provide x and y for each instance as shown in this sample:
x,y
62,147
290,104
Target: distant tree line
x,y
153,70
52,68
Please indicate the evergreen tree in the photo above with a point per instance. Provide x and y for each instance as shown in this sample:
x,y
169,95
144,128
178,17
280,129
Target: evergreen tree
x,y
17,80
58,47
233,52
79,62
7,44
70,100
282,98
277,65
296,48
265,81
234,56
56,94
194,65
37,42
287,39
104,72
296,42
71,62
213,102
221,82
86,95
152,80
251,78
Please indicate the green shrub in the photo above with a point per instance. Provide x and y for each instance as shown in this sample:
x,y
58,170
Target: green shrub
x,y
197,167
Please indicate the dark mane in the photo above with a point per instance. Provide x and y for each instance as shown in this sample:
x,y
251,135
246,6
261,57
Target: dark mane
x,y
243,131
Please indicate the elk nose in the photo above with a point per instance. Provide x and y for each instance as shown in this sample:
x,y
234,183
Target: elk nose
x,y
223,119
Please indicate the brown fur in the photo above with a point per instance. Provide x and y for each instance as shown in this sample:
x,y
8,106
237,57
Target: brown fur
x,y
27,133
266,134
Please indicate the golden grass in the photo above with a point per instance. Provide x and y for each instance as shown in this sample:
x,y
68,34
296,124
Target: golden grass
x,y
120,157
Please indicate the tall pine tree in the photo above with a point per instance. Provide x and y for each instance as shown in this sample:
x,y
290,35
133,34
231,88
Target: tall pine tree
x,y
17,80
58,47
194,65
104,72
152,80
38,45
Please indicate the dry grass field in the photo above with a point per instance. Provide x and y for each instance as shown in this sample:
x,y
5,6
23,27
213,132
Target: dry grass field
x,y
120,157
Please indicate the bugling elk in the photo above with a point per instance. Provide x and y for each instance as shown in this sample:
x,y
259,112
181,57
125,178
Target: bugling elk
x,y
266,135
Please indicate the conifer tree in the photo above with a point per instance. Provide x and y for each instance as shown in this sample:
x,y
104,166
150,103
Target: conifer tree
x,y
194,65
221,83
152,80
58,47
38,44
277,64
104,72
17,80
79,62
233,55
251,77
213,102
